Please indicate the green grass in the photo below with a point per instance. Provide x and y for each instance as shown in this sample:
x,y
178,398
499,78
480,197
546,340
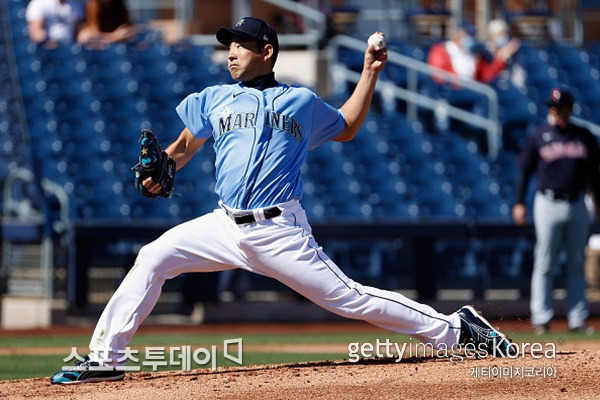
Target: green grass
x,y
199,339
33,366
30,366
195,339
44,341
43,365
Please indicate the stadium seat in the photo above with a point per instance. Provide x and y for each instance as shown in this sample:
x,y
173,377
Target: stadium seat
x,y
458,258
393,166
508,259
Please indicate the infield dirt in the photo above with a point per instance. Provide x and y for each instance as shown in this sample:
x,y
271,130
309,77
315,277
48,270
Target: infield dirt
x,y
576,376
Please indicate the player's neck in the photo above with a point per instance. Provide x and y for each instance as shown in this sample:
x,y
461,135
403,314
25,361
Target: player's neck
x,y
262,82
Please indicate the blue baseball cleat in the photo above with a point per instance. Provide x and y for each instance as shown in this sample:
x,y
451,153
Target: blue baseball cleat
x,y
477,330
87,371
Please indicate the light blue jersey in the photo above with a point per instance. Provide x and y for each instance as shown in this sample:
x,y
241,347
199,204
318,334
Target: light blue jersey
x,y
261,138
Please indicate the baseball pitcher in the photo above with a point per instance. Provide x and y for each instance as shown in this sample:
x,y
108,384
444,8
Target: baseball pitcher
x,y
261,131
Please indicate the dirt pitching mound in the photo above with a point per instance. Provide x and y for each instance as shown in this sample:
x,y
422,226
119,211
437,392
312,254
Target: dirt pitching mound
x,y
572,374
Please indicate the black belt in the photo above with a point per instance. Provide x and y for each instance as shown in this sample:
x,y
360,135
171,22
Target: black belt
x,y
246,217
566,196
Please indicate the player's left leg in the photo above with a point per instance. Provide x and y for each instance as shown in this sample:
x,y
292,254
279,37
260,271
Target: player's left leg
x,y
576,240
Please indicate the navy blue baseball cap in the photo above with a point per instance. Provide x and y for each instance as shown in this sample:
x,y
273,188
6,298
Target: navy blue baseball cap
x,y
467,27
560,97
252,29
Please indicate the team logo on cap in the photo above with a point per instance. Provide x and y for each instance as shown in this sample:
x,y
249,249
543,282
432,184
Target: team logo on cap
x,y
556,95
240,22
265,38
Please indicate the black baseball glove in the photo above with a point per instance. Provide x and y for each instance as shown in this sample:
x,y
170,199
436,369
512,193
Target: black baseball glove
x,y
156,164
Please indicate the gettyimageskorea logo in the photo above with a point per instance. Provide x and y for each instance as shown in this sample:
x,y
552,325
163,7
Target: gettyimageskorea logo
x,y
184,357
456,353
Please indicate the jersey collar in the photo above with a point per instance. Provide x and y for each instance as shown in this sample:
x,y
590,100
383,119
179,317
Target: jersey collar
x,y
262,82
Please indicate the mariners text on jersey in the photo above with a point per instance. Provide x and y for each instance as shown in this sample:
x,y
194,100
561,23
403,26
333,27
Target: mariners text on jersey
x,y
231,121
261,138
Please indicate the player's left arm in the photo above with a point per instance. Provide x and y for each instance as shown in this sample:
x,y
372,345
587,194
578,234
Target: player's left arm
x,y
357,106
184,147
37,33
182,150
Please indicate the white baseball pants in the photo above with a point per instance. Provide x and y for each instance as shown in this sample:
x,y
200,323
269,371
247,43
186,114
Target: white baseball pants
x,y
282,248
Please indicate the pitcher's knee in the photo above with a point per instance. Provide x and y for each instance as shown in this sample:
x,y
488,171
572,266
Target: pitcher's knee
x,y
146,254
149,260
349,303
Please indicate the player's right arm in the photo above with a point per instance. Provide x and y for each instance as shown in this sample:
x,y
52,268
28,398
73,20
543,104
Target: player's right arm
x,y
182,150
527,162
355,109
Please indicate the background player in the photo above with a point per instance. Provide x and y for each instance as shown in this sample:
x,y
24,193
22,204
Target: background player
x,y
566,160
262,131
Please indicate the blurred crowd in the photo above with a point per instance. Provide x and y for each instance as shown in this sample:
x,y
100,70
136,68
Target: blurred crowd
x,y
95,23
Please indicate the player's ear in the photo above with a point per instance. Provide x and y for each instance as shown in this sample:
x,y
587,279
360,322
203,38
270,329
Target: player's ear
x,y
267,52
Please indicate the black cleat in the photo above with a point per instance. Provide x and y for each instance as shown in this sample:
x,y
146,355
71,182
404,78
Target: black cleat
x,y
586,330
477,330
87,371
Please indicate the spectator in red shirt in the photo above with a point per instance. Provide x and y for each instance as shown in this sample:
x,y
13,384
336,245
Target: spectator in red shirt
x,y
461,56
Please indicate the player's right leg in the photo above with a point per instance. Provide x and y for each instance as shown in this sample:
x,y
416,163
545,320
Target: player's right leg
x,y
199,245
549,217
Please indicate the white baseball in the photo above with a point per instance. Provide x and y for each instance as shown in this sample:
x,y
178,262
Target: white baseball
x,y
377,39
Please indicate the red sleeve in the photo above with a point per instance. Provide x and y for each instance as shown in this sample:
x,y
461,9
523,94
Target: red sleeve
x,y
439,57
487,72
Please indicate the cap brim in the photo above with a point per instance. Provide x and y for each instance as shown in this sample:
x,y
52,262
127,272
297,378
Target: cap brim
x,y
551,103
224,35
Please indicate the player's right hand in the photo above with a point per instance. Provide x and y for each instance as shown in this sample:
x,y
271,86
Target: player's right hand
x,y
519,213
151,186
375,58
